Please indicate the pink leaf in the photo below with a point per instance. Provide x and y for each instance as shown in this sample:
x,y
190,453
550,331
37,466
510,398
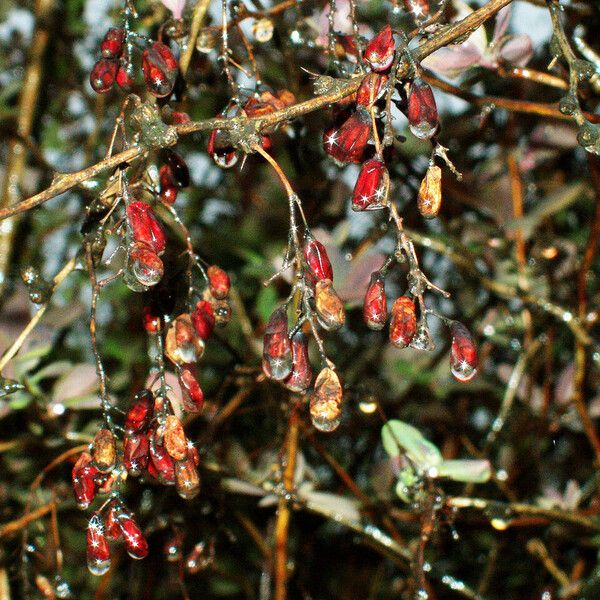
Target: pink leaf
x,y
517,50
453,60
502,21
175,6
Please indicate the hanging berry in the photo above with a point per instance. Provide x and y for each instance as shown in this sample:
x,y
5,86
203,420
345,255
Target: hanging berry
x,y
300,378
326,401
187,480
379,52
375,304
219,282
463,353
145,227
104,451
103,75
372,186
277,348
430,193
192,395
98,552
403,324
112,44
135,542
160,69
329,306
203,319
136,449
316,259
83,477
138,417
144,267
348,143
422,110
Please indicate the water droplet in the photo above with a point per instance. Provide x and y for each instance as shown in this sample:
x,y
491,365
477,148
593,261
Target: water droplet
x,y
499,524
368,406
421,594
98,567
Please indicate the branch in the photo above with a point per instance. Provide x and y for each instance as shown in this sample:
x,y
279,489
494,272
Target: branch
x,y
446,36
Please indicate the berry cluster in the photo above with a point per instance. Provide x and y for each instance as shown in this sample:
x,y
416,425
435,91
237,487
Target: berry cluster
x,y
159,65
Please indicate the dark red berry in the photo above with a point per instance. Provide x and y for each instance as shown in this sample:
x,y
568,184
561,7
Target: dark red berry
x,y
203,319
422,110
277,348
124,80
98,552
163,463
145,227
138,417
112,44
372,186
179,169
348,143
463,353
160,69
371,89
83,478
135,542
192,395
135,453
317,261
379,52
300,378
103,75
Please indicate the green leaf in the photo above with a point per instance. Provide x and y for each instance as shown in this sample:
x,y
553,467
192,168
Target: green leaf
x,y
465,470
397,435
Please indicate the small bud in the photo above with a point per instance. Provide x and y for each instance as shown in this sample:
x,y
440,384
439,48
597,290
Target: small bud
x,y
329,306
379,52
104,451
187,480
372,186
103,75
375,304
403,324
348,143
326,401
317,262
98,552
430,193
145,227
277,348
463,353
160,69
300,378
422,110
219,282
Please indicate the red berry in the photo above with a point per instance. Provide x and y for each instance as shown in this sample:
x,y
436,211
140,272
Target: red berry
x,y
145,227
300,378
160,69
180,117
219,282
103,75
372,186
111,519
98,552
277,348
203,319
179,169
152,322
375,304
317,262
379,52
112,44
192,394
403,324
163,463
135,453
463,353
83,477
348,143
124,80
168,195
422,110
138,417
371,89
135,542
